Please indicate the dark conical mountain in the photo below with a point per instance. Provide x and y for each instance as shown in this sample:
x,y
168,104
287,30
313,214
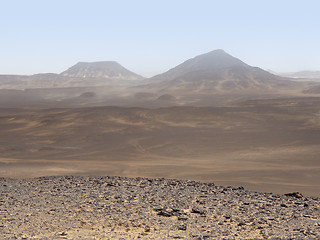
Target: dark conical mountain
x,y
214,60
107,69
216,71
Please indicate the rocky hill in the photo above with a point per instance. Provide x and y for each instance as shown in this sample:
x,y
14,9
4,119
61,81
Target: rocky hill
x,y
217,59
217,71
107,69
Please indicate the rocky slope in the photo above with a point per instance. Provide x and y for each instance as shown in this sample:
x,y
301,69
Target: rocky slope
x,y
140,208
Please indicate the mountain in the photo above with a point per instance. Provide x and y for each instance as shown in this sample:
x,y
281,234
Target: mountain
x,y
83,74
217,59
216,71
107,69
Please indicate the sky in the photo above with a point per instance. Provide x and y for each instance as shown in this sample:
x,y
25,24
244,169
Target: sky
x,y
149,37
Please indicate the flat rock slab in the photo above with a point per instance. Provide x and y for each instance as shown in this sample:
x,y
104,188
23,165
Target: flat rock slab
x,y
69,207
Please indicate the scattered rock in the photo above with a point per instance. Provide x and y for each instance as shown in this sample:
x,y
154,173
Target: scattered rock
x,y
140,208
165,213
177,237
182,227
197,210
147,229
182,218
294,194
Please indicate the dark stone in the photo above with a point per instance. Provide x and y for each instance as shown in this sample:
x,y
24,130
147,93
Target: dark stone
x,y
176,237
158,209
183,218
147,229
294,194
198,211
165,213
176,210
182,227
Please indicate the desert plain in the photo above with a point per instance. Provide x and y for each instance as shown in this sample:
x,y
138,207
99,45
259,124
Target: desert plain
x,y
265,145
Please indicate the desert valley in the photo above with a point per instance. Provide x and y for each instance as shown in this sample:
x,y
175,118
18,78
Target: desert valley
x,y
211,119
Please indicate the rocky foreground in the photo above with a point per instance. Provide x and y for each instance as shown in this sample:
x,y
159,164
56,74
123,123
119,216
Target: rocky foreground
x,y
124,208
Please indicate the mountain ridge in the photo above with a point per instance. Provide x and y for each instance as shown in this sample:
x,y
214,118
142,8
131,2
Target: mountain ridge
x,y
206,76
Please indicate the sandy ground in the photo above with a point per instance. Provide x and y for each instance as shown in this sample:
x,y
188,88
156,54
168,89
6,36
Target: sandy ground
x,y
270,145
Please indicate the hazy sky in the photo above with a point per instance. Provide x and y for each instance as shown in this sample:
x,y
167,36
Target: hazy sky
x,y
149,37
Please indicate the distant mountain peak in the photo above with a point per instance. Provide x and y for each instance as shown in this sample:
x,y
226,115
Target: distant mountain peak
x,y
217,72
100,64
213,60
216,52
104,69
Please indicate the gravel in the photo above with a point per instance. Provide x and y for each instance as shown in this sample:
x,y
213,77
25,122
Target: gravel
x,y
70,207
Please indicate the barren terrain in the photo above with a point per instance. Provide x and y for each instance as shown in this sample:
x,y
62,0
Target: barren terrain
x,y
267,145
123,208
